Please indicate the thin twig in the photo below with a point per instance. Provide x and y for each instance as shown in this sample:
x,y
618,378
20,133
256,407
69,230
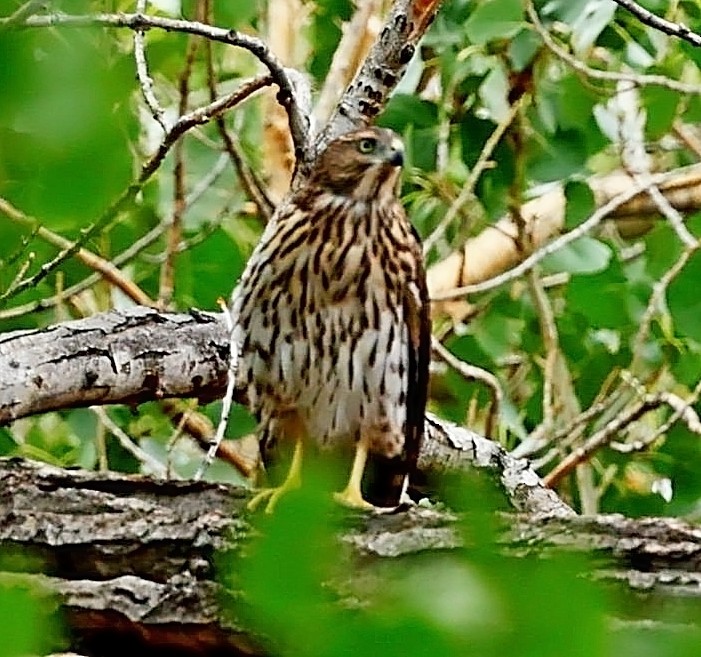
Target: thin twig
x,y
551,247
682,411
174,221
474,373
468,189
21,14
668,212
549,333
200,116
608,76
145,80
107,269
653,305
154,465
280,76
596,442
120,259
207,181
228,397
252,185
661,24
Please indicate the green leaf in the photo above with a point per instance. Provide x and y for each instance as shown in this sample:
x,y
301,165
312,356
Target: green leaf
x,y
564,154
600,298
580,203
684,300
591,22
406,109
584,256
33,629
661,106
494,19
523,48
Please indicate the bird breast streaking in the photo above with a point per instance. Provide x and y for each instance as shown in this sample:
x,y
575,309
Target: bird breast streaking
x,y
331,321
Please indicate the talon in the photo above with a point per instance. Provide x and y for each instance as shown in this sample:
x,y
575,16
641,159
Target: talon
x,y
259,497
273,493
292,482
352,498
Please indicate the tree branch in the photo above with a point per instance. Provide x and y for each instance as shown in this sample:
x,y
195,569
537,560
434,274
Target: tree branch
x,y
299,124
663,25
138,355
132,559
369,91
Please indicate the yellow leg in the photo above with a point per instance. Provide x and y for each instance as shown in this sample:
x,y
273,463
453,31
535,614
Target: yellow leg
x,y
292,482
351,495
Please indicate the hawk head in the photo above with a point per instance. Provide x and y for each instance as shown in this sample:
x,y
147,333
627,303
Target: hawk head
x,y
363,165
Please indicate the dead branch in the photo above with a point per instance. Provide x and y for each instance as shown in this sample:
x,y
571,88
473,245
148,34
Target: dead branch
x,y
132,559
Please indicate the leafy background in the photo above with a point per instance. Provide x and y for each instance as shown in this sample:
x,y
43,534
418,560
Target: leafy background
x,y
74,132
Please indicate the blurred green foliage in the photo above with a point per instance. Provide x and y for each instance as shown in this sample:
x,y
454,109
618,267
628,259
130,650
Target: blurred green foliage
x,y
74,132
31,623
478,600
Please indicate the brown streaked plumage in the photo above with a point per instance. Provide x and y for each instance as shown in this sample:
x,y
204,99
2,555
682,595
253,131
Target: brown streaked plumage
x,y
331,320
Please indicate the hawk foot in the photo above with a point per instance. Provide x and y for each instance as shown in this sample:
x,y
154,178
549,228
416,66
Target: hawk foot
x,y
352,498
273,495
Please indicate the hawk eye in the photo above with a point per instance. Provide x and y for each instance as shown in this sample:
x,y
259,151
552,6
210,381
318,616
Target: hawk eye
x,y
367,145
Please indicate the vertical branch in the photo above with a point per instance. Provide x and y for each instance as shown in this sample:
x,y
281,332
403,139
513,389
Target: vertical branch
x,y
250,182
285,22
145,81
174,235
358,35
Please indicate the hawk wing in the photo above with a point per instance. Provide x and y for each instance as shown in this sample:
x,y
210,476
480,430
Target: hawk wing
x,y
389,475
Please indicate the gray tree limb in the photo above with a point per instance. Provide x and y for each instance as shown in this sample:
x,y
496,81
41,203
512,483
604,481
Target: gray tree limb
x,y
138,355
132,558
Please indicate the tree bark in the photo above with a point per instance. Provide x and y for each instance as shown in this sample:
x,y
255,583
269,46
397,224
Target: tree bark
x,y
132,559
137,355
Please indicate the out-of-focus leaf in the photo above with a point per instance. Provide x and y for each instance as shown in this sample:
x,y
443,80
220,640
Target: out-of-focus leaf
x,y
584,256
661,106
404,109
684,299
34,628
494,19
580,203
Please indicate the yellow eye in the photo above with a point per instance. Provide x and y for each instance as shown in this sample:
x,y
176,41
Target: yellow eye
x,y
367,145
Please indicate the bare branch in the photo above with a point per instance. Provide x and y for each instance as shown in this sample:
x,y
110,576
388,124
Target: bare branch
x,y
594,220
145,80
661,24
654,303
407,22
469,187
153,465
107,269
358,34
474,373
299,124
607,76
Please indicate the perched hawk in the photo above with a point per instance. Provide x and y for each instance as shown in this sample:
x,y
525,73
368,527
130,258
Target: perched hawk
x,y
331,320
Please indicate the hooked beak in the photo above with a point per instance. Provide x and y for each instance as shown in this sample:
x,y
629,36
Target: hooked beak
x,y
396,153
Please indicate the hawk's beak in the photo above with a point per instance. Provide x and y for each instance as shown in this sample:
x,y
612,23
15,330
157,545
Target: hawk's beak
x,y
395,156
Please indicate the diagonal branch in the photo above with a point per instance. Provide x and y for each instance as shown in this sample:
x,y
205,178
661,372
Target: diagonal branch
x,y
661,24
369,91
299,124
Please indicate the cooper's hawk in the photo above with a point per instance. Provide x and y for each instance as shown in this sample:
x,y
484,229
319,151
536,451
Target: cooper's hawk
x,y
331,319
